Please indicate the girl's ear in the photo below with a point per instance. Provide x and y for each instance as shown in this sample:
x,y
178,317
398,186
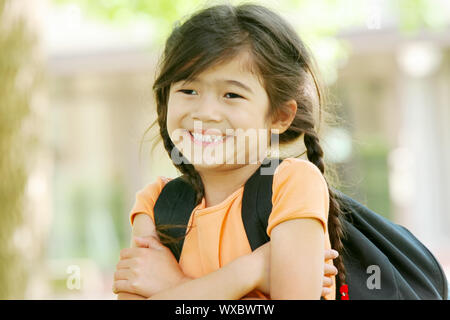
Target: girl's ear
x,y
285,116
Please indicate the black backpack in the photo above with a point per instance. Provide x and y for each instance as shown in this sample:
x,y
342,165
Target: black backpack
x,y
383,260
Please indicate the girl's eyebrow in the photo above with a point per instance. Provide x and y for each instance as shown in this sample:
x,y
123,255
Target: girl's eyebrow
x,y
229,81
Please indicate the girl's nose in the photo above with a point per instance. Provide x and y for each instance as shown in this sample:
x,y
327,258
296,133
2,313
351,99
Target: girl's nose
x,y
207,110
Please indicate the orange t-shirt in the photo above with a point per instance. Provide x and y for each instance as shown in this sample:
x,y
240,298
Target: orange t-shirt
x,y
218,236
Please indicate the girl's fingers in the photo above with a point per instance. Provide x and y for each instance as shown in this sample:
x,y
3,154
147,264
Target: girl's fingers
x,y
125,264
127,253
147,242
331,254
142,242
330,270
325,291
122,274
327,282
122,286
155,243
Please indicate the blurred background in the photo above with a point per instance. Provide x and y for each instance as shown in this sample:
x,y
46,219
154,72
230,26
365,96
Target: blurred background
x,y
76,100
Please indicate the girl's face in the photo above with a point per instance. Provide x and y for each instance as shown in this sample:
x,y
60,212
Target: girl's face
x,y
225,101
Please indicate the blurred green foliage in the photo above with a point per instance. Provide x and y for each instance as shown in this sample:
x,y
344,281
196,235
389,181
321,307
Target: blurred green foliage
x,y
317,21
373,168
422,14
121,12
90,222
412,14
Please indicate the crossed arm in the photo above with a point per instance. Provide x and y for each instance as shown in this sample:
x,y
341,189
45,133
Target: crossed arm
x,y
237,278
233,281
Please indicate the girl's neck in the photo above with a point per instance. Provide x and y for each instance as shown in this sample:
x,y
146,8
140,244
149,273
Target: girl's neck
x,y
220,184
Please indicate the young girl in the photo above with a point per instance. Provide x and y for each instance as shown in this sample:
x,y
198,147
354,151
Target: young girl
x,y
237,70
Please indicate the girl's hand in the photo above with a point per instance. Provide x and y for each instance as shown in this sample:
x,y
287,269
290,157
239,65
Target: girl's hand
x,y
329,271
262,260
148,269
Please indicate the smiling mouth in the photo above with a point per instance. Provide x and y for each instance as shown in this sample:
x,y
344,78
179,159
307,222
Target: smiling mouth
x,y
206,140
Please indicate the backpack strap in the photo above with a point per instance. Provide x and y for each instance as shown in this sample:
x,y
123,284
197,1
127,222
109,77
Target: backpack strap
x,y
257,198
257,203
174,207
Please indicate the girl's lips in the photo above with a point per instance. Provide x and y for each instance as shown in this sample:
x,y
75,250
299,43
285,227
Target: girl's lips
x,y
204,143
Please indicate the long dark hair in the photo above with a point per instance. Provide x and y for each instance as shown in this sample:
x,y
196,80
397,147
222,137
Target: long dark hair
x,y
278,56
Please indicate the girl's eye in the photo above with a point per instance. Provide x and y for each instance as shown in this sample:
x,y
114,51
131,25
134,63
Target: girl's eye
x,y
232,95
187,91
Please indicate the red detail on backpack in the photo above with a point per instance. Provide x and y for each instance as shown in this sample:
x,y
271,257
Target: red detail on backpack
x,y
344,292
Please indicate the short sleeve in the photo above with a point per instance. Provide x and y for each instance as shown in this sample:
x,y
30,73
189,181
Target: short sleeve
x,y
299,191
146,198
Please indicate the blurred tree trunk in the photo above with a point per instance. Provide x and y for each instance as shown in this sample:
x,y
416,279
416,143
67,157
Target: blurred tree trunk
x,y
20,70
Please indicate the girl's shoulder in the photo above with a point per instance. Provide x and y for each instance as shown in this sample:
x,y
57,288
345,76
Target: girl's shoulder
x,y
147,196
299,191
297,168
299,177
155,186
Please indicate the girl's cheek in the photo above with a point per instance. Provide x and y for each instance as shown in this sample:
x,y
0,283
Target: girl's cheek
x,y
173,119
176,111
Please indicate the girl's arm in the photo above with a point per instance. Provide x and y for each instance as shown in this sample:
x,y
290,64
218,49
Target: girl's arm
x,y
235,280
296,259
231,282
142,227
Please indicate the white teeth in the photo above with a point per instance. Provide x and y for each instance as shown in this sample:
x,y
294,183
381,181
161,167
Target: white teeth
x,y
207,138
